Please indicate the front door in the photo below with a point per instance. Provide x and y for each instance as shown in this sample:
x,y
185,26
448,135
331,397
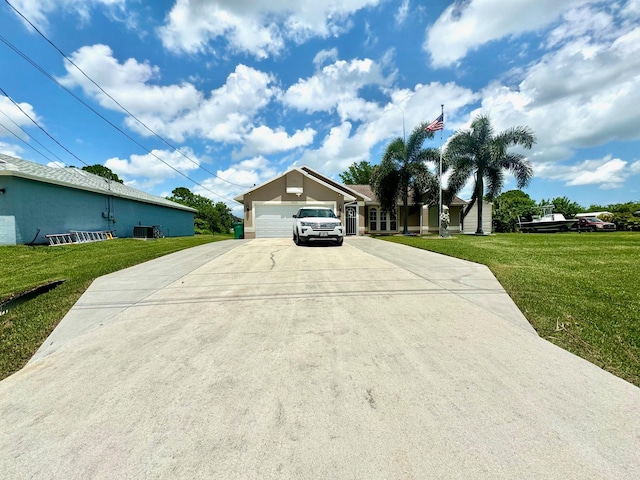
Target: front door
x,y
351,219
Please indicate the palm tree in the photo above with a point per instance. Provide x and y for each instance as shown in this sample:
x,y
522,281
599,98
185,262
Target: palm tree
x,y
480,153
403,168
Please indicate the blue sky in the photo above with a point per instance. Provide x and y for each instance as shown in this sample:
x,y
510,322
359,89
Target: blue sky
x,y
246,89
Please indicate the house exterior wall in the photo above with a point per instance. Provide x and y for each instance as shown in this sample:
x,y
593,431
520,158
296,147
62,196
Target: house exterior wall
x,y
430,219
471,220
275,192
31,206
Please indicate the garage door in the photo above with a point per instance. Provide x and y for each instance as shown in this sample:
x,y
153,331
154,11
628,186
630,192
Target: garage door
x,y
276,221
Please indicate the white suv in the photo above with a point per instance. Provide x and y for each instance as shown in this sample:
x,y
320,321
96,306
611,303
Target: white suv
x,y
317,223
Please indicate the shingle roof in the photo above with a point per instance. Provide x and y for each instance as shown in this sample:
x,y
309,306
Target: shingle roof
x,y
363,190
79,179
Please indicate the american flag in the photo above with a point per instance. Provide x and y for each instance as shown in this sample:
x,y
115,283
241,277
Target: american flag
x,y
437,124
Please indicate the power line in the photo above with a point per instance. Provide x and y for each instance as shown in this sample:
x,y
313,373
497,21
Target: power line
x,y
26,143
41,128
32,138
116,102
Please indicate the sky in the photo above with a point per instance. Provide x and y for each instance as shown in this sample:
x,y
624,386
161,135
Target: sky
x,y
221,95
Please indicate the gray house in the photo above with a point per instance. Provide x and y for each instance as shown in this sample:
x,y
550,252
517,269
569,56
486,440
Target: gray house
x,y
36,200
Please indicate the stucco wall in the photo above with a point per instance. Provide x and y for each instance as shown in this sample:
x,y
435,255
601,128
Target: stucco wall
x,y
55,209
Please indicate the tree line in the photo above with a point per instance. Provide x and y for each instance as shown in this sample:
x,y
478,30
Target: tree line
x,y
210,217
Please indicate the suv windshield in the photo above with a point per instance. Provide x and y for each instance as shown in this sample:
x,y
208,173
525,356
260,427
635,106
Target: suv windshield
x,y
316,213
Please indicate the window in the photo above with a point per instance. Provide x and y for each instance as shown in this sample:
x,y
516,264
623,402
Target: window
x,y
383,220
387,221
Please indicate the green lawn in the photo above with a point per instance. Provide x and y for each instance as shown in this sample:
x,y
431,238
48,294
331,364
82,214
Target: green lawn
x,y
579,291
22,268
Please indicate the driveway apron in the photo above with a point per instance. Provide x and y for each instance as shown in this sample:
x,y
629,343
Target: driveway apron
x,y
260,359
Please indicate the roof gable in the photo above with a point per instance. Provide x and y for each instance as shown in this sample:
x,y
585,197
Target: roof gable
x,y
309,174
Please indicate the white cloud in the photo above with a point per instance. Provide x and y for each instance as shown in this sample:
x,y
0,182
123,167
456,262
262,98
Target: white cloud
x,y
635,167
264,140
37,11
402,13
336,87
578,22
14,120
129,84
10,149
254,26
632,9
153,168
249,172
467,25
606,172
174,111
324,56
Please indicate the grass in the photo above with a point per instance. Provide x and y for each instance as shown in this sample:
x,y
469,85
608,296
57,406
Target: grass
x,y
22,268
579,291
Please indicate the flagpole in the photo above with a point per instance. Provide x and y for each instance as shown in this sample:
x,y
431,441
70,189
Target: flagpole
x,y
440,197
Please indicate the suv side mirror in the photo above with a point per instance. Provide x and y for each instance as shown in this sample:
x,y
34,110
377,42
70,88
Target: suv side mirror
x,y
295,216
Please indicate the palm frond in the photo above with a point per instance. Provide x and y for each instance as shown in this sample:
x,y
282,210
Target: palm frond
x,y
523,136
520,168
495,181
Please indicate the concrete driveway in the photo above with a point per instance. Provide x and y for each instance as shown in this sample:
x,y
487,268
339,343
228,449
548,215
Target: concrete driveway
x,y
259,359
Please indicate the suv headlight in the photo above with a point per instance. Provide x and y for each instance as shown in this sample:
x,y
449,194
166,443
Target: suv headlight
x,y
306,224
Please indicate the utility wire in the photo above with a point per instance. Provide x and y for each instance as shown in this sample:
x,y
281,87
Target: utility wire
x,y
26,143
53,79
32,138
41,128
118,103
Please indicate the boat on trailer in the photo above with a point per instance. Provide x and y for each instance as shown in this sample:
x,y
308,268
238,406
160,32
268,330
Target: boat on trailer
x,y
547,222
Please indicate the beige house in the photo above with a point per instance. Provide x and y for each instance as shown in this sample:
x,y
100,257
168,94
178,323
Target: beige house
x,y
269,208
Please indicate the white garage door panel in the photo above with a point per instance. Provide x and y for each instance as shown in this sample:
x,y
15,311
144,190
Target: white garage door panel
x,y
276,221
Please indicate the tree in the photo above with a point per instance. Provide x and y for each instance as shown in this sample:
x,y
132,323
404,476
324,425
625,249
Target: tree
x,y
404,167
485,156
564,206
357,174
510,205
103,171
210,218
